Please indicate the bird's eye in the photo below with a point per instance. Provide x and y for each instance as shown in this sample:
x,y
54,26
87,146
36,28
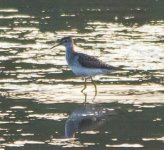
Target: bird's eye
x,y
66,40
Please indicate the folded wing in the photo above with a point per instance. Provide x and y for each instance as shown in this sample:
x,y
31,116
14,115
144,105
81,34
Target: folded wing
x,y
92,62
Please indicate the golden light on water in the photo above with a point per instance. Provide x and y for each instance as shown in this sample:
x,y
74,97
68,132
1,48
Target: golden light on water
x,y
39,94
130,49
55,116
126,145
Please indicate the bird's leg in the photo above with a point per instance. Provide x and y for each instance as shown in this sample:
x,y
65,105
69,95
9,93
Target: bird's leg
x,y
94,86
85,85
85,101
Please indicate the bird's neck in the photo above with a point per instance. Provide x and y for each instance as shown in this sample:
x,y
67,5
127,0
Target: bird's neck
x,y
69,53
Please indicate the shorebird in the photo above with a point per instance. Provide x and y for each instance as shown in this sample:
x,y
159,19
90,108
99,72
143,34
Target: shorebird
x,y
84,65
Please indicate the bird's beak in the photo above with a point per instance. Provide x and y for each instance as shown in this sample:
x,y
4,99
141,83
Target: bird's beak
x,y
56,45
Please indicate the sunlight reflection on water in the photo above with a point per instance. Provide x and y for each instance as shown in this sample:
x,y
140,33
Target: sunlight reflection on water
x,y
39,93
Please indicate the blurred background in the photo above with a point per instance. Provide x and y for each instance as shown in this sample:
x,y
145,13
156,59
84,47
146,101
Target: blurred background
x,y
41,106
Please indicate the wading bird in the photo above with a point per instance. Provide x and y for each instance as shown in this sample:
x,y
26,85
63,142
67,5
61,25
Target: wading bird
x,y
84,65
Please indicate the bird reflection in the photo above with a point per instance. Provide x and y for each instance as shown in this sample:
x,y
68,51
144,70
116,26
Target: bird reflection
x,y
87,118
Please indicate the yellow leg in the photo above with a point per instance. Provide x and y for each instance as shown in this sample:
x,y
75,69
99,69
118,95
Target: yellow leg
x,y
94,86
85,100
85,85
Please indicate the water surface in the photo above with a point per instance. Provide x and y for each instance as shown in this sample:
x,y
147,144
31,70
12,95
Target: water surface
x,y
41,103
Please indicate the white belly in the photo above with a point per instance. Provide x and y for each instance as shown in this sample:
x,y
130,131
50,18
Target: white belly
x,y
82,71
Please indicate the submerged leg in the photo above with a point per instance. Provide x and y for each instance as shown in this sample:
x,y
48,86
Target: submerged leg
x,y
94,86
85,85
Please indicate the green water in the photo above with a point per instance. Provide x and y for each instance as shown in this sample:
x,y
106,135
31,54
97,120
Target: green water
x,y
40,98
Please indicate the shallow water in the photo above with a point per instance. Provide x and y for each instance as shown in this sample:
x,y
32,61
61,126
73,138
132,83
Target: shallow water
x,y
41,101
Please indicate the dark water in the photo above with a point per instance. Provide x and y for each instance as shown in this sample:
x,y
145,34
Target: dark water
x,y
41,106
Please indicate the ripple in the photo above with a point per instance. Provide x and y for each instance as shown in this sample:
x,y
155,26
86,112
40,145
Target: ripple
x,y
18,107
154,139
52,116
22,143
9,10
15,16
65,143
90,132
125,145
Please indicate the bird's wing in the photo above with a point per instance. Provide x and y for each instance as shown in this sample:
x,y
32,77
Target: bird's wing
x,y
92,62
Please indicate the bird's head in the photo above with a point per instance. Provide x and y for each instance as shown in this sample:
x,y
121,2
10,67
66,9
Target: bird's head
x,y
66,41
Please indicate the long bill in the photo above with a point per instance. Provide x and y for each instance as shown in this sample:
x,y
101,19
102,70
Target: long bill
x,y
55,45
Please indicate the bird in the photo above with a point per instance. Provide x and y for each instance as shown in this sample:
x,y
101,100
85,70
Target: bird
x,y
84,65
